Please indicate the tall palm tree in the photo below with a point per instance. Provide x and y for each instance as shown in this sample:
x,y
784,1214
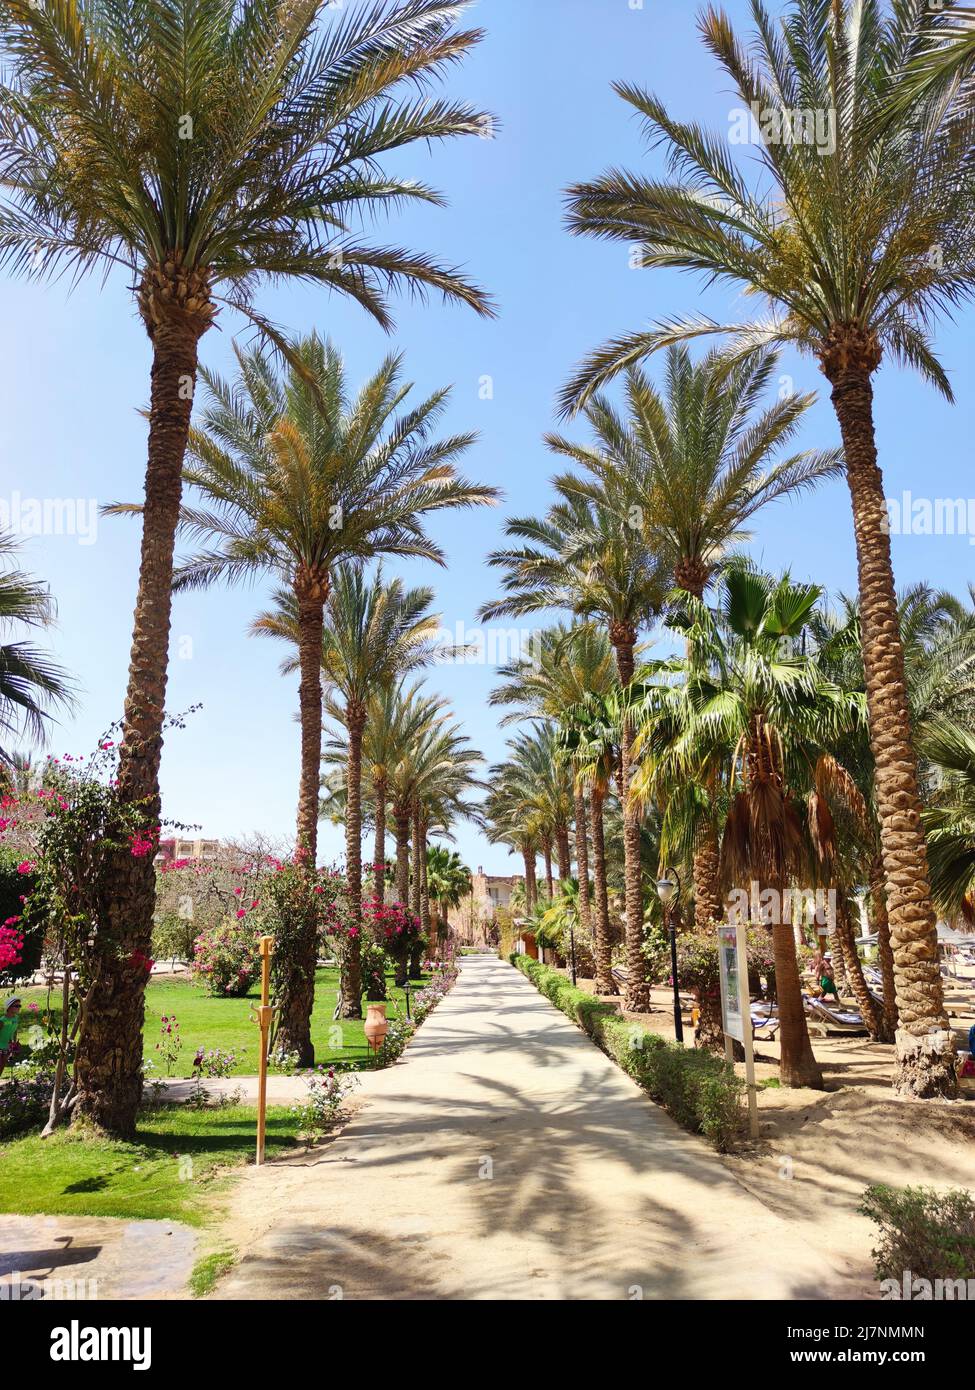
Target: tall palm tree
x,y
693,464
568,664
32,686
585,557
855,240
297,476
202,149
374,632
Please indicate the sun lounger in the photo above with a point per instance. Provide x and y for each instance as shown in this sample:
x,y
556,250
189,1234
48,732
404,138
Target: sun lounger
x,y
765,1018
837,1020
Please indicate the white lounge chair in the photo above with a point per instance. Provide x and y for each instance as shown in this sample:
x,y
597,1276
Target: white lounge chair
x,y
836,1020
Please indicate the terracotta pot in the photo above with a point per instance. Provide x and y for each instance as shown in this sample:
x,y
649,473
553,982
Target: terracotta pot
x,y
377,1025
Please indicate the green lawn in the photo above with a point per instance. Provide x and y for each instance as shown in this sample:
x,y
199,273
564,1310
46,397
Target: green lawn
x,y
171,1172
225,1023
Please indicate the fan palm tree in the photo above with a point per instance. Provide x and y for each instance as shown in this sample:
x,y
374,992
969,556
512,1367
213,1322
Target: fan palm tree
x,y
374,632
202,149
448,879
746,691
32,686
586,557
855,241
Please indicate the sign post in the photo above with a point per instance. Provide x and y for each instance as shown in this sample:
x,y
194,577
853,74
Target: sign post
x,y
736,1018
264,1020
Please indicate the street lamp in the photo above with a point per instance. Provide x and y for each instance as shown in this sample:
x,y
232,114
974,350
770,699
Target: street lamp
x,y
668,888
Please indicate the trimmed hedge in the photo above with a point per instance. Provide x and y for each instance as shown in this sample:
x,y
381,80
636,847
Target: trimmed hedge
x,y
702,1092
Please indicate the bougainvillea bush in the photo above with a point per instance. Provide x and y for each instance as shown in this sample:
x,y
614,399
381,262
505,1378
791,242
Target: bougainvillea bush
x,y
226,957
393,927
698,971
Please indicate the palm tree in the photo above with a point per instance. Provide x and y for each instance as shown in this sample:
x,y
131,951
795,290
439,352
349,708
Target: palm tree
x,y
585,557
32,686
590,739
568,664
202,149
749,693
856,240
693,465
448,880
373,634
297,477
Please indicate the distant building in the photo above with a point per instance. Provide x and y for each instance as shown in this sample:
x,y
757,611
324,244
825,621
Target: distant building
x,y
170,850
475,915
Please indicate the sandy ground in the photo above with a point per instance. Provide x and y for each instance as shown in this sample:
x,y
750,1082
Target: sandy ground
x,y
89,1258
819,1151
505,1157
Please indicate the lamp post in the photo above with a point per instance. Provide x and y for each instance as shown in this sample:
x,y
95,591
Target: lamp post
x,y
668,888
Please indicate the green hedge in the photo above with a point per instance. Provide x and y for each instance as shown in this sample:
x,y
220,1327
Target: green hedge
x,y
702,1092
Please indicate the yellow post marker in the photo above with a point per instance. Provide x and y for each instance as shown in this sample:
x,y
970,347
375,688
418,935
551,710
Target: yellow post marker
x,y
264,1020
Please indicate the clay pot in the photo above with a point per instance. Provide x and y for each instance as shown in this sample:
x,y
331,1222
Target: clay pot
x,y
377,1025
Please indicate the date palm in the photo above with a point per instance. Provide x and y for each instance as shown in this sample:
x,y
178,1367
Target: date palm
x,y
567,665
202,148
855,243
448,880
694,462
374,633
585,557
32,685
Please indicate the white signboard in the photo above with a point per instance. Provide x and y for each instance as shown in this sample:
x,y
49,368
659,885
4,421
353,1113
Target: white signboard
x,y
733,995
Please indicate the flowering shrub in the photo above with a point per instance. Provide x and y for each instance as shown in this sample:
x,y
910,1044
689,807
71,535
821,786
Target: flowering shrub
x,y
327,1090
11,944
393,927
215,1063
25,1099
375,963
300,910
427,999
227,957
170,1044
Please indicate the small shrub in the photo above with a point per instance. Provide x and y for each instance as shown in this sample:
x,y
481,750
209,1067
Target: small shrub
x,y
25,1099
327,1092
374,962
929,1233
173,937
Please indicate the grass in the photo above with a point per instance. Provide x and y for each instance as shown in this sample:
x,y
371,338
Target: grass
x,y
225,1023
208,1270
173,1169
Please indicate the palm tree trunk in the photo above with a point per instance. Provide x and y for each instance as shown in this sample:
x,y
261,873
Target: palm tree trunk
x,y
605,984
350,1004
547,855
379,851
623,638
426,922
582,862
563,857
797,1064
108,1065
708,904
925,1064
401,824
297,997
416,881
870,1011
878,902
531,893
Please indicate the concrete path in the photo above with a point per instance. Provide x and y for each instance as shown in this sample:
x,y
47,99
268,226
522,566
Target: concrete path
x,y
91,1257
505,1157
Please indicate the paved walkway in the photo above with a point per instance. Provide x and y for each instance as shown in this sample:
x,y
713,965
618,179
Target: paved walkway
x,y
505,1157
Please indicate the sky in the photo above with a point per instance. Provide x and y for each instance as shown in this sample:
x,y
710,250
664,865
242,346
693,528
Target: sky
x,y
75,372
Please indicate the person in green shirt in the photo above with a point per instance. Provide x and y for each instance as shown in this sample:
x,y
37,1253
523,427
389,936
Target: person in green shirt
x,y
9,1023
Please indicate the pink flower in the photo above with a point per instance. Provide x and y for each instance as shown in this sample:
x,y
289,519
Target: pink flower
x,y
27,867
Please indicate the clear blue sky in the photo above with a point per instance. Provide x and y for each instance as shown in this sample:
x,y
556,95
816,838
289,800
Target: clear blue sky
x,y
75,375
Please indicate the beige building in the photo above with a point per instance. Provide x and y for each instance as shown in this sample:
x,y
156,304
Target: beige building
x,y
475,915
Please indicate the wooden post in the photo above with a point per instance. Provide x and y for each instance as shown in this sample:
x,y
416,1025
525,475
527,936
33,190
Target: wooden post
x,y
264,1020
